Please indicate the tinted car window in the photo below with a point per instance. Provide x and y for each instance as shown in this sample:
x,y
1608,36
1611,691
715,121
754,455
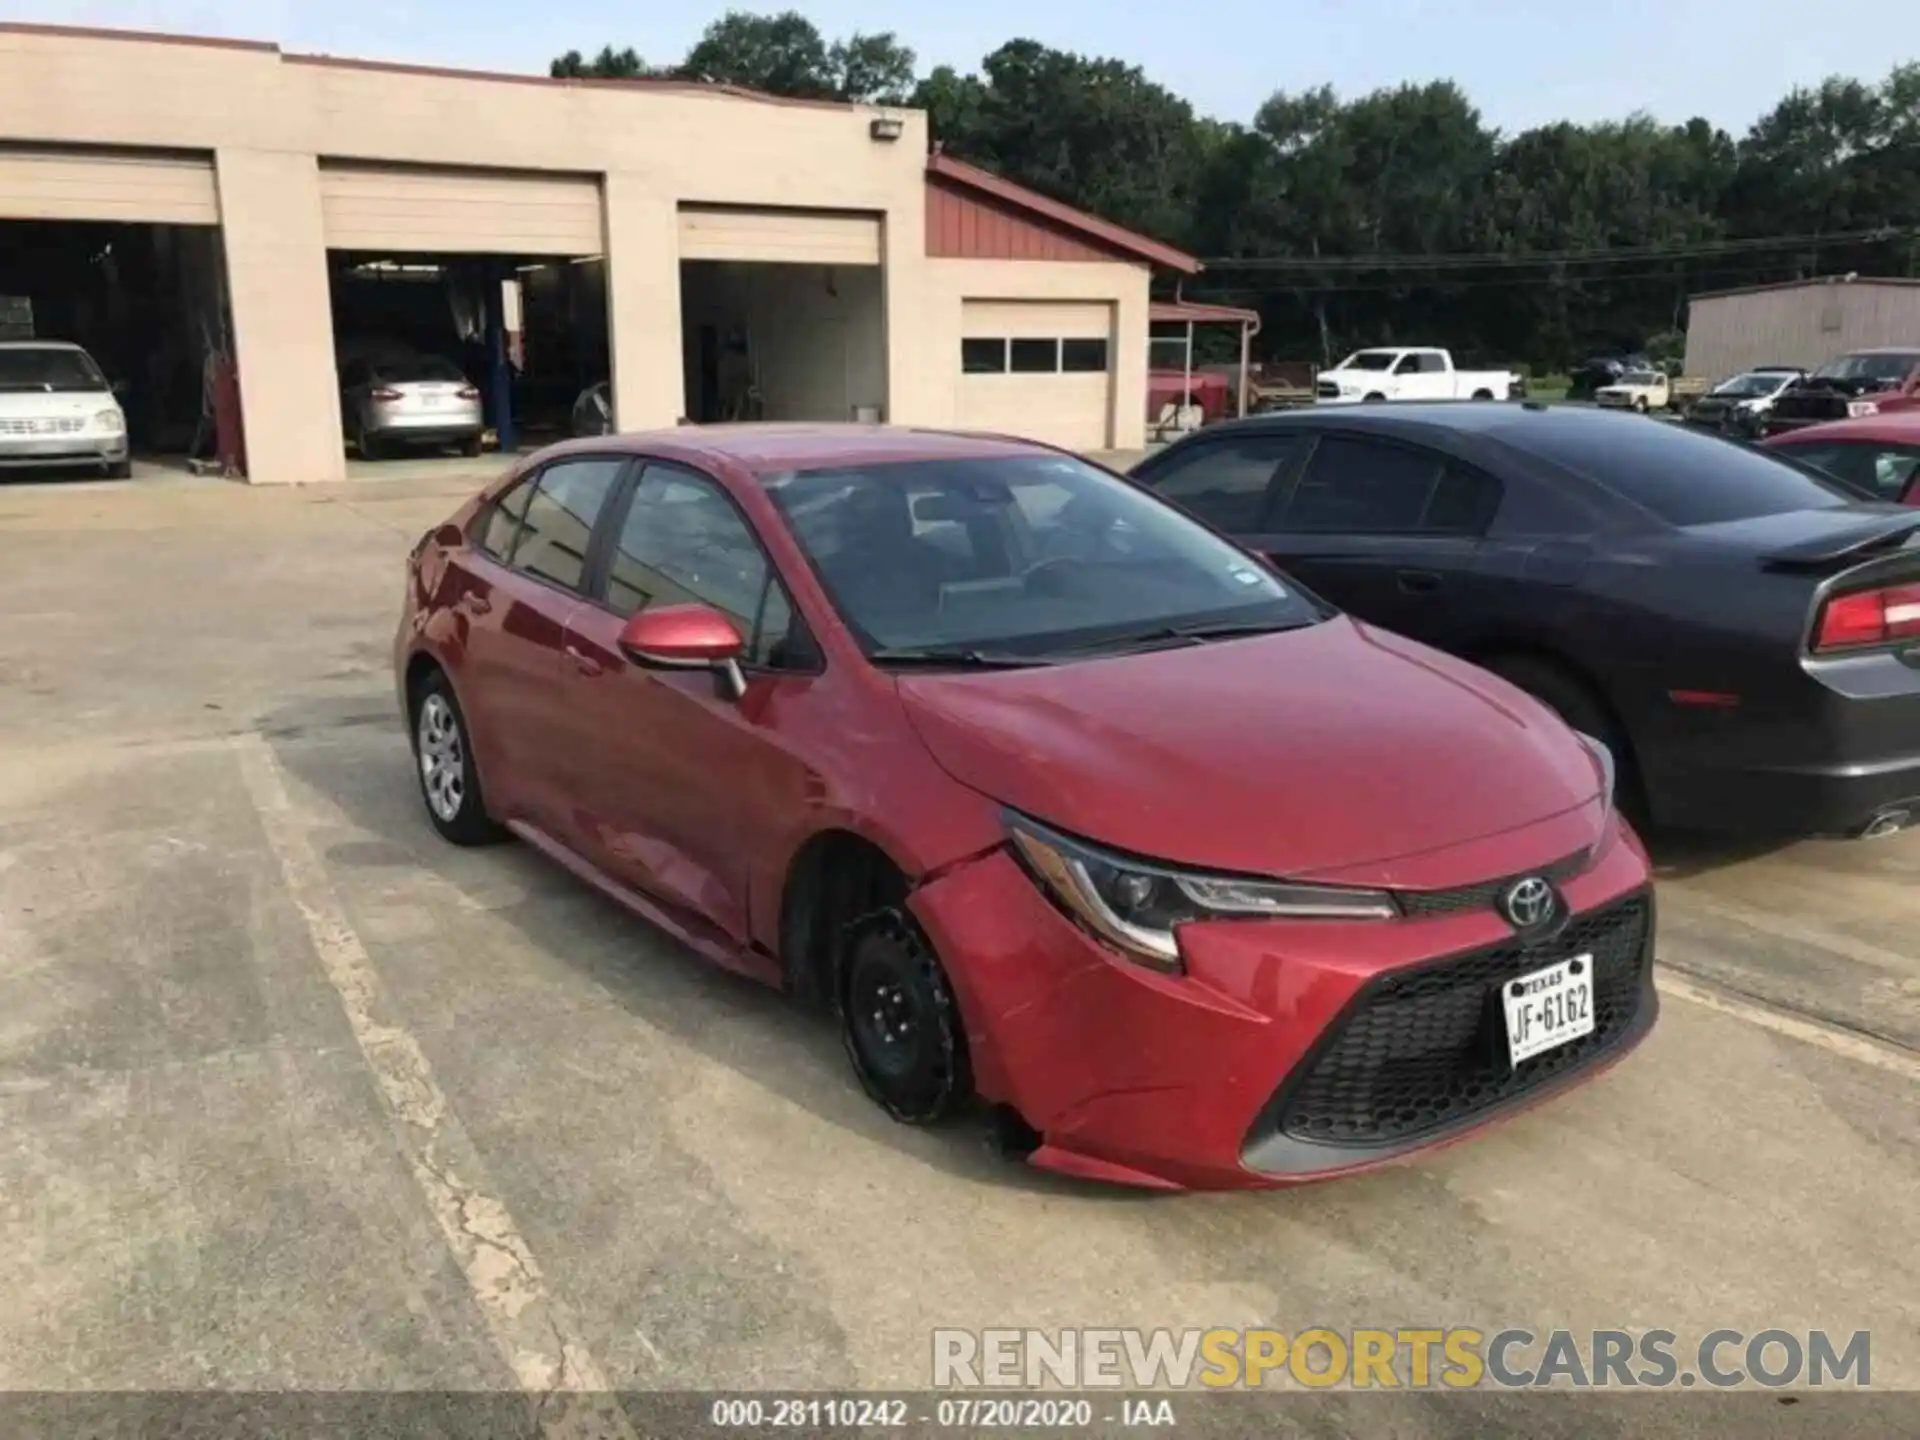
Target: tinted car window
x,y
405,369
1361,487
567,500
1028,553
1463,503
1225,482
1679,476
1878,471
501,525
683,542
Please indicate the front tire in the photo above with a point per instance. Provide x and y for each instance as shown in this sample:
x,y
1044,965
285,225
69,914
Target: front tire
x,y
900,1024
118,469
1641,405
443,761
1376,398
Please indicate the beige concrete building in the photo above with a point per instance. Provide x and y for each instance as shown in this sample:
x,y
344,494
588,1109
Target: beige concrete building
x,y
1798,322
818,245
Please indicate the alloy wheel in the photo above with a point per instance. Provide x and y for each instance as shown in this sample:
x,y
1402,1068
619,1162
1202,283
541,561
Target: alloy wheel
x,y
443,758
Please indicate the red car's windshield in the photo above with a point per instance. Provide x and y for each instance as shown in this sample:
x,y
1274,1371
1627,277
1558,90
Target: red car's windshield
x,y
1028,554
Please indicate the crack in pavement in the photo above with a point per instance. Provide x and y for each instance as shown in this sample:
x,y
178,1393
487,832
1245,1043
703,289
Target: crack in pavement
x,y
534,1335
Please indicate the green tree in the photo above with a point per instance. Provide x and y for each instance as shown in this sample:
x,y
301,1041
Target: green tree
x,y
783,54
609,64
1095,133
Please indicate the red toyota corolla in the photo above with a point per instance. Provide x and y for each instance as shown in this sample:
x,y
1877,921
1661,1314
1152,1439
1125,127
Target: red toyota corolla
x,y
1055,798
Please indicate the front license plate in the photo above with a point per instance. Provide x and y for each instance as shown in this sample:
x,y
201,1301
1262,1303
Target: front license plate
x,y
1547,1008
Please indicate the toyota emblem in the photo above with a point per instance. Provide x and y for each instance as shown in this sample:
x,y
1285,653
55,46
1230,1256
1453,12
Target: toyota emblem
x,y
1528,903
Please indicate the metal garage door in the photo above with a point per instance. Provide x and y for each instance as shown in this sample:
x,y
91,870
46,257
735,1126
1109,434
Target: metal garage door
x,y
476,212
1067,404
142,188
780,237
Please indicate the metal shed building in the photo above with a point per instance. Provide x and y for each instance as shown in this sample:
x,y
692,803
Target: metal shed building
x,y
1798,322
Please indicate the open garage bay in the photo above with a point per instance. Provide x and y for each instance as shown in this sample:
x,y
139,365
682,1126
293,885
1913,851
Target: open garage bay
x,y
292,1094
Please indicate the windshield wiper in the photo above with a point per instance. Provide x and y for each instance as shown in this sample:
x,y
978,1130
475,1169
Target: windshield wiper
x,y
956,658
1165,636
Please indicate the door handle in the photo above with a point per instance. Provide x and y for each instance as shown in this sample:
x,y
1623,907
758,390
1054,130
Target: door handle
x,y
584,662
1417,582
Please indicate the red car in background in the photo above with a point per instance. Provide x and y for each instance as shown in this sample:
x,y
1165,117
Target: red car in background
x,y
1209,391
1055,798
1877,456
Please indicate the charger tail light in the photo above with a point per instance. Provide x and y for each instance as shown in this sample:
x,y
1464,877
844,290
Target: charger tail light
x,y
1868,617
467,392
386,393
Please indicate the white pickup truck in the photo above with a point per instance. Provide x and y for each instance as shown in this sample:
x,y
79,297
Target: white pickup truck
x,y
1411,372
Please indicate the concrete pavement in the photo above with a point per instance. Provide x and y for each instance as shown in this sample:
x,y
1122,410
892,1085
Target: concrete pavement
x,y
294,1095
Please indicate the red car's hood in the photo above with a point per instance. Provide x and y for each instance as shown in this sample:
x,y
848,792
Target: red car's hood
x,y
1309,752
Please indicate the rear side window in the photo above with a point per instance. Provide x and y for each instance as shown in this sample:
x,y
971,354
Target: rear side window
x,y
501,527
1462,503
1355,486
1681,477
558,526
1225,482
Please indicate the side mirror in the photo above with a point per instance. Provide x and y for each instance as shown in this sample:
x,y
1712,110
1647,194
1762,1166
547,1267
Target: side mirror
x,y
686,637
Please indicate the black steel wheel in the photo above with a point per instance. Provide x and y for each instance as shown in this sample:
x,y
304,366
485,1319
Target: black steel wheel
x,y
900,1024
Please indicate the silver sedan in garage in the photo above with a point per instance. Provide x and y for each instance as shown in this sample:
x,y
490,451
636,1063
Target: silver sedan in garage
x,y
411,401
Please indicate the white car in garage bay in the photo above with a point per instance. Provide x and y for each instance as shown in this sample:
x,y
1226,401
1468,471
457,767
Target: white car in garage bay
x,y
57,410
1413,372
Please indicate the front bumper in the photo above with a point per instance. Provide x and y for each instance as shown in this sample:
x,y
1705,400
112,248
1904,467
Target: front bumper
x,y
62,450
435,431
1184,1081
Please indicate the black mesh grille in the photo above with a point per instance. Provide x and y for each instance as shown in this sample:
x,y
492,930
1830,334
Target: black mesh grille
x,y
1423,1049
1424,904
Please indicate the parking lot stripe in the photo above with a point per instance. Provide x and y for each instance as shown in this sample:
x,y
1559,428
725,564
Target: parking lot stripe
x,y
535,1336
1849,1044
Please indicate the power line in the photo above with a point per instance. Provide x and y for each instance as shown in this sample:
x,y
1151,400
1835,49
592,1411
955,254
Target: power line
x,y
1613,255
1241,293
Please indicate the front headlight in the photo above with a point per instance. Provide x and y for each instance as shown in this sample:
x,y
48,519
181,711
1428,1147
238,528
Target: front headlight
x,y
109,422
1135,905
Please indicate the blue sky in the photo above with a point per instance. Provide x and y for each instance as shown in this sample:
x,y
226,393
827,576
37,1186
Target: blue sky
x,y
1523,61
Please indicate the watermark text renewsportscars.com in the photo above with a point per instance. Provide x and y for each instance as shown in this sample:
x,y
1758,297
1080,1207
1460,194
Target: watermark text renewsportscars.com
x,y
1405,1357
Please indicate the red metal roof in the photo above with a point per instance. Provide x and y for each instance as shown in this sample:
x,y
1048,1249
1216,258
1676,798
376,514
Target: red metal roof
x,y
1192,312
1115,240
